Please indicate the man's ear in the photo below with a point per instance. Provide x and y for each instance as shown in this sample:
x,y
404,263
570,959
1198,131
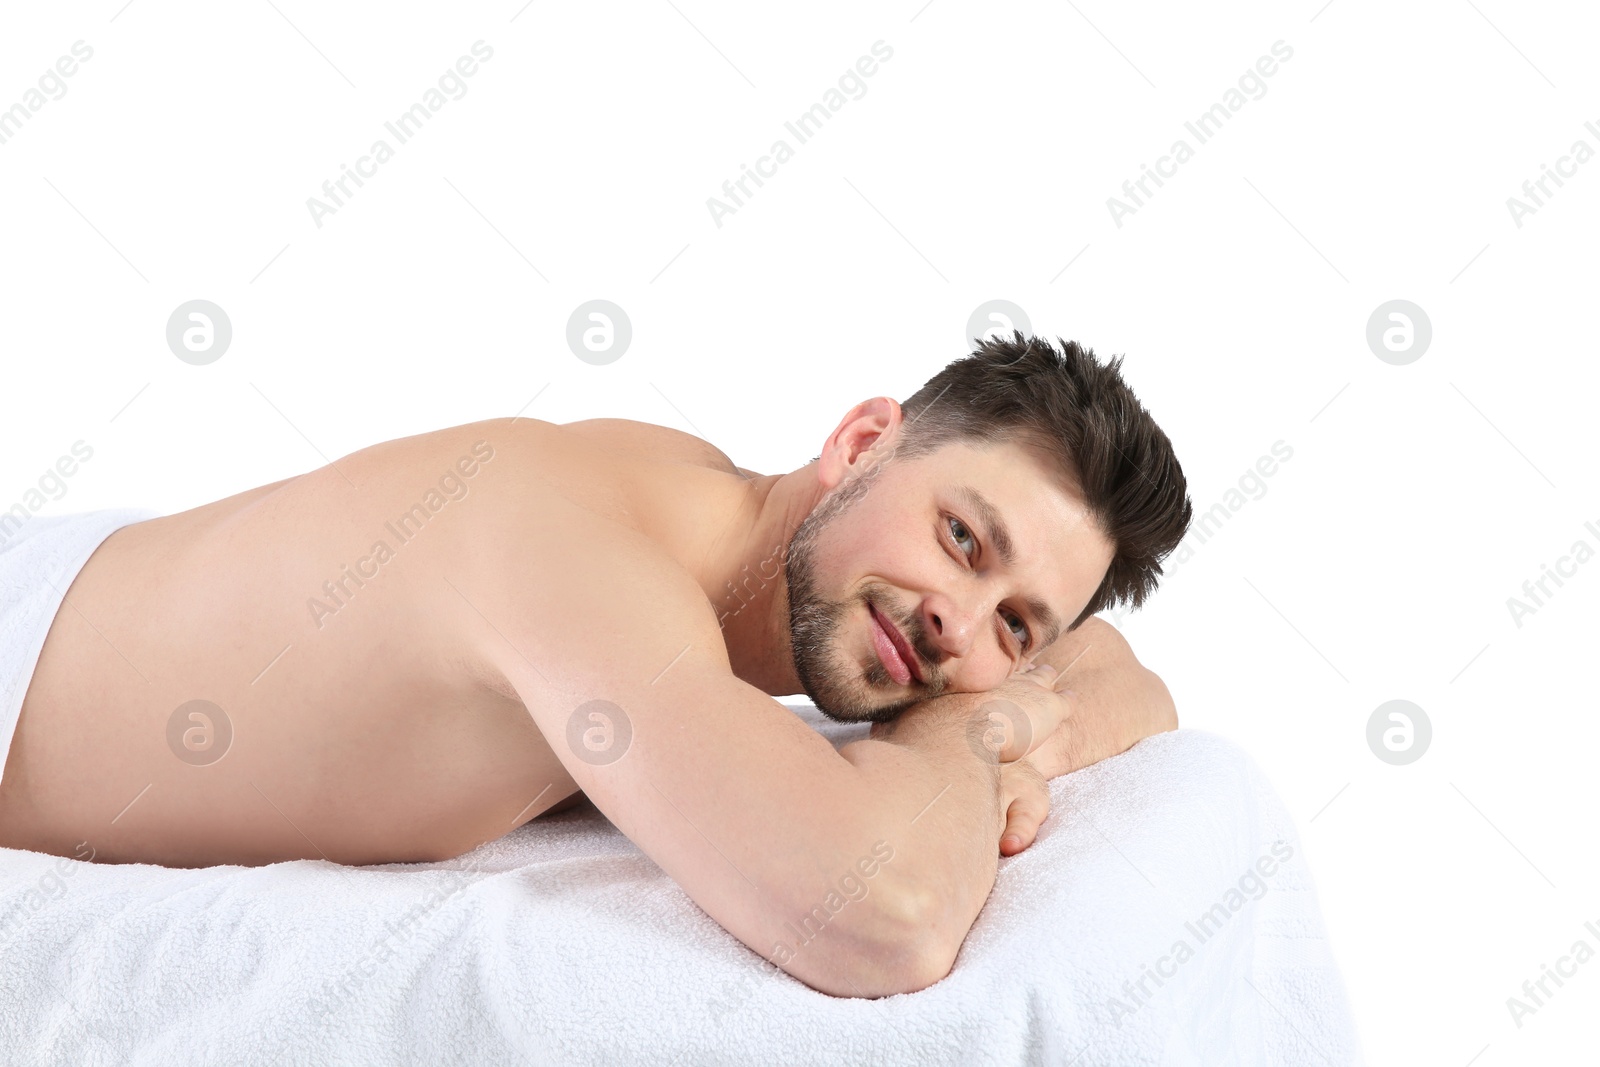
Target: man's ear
x,y
864,437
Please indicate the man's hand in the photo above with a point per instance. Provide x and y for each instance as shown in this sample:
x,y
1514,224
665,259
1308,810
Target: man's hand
x,y
1116,704
1118,701
1111,703
1009,721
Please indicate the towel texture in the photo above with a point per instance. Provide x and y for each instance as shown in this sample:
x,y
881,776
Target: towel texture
x,y
1166,915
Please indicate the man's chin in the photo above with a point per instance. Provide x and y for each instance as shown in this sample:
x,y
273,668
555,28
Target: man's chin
x,y
852,713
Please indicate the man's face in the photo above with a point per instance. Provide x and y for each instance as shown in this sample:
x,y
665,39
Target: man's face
x,y
898,586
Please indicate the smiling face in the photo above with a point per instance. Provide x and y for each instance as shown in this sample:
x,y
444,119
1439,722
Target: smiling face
x,y
939,574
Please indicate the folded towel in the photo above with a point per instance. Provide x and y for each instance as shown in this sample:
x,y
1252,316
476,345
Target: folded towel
x,y
1165,915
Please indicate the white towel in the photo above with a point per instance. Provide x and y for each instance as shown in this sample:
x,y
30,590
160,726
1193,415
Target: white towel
x,y
562,943
39,558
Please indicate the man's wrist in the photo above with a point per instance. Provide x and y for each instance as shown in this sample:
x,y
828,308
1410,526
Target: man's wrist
x,y
933,717
1128,706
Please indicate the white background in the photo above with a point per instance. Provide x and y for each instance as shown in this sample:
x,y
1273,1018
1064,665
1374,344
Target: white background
x,y
1377,565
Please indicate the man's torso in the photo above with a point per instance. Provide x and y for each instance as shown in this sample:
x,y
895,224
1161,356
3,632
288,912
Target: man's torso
x,y
334,620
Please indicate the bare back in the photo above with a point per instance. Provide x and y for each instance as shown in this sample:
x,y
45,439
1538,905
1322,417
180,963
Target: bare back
x,y
333,619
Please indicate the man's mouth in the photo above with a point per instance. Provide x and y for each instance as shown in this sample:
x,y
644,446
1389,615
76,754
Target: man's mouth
x,y
894,651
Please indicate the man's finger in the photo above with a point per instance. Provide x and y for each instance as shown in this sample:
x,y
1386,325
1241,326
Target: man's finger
x,y
1043,673
1043,717
1029,803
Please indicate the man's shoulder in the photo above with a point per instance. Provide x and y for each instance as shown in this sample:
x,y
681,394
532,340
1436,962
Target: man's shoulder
x,y
573,563
652,441
590,598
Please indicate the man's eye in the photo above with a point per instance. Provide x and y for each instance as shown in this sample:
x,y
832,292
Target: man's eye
x,y
1022,638
959,531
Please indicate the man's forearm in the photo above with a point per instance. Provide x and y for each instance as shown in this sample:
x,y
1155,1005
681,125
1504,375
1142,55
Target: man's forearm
x,y
941,806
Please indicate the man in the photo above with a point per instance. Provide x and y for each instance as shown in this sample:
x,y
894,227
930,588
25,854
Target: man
x,y
416,648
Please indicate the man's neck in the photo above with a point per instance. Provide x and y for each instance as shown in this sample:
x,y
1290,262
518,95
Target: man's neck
x,y
744,568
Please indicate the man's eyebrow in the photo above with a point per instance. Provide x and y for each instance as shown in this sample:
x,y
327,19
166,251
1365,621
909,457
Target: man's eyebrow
x,y
994,528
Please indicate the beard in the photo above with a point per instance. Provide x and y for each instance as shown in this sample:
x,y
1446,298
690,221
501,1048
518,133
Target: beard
x,y
837,686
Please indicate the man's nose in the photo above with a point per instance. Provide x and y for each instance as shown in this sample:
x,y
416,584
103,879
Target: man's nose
x,y
951,627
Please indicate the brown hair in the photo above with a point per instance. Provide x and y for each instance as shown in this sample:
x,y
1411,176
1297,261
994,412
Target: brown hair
x,y
1083,415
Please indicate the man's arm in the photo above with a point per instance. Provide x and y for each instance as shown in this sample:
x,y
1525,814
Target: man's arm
x,y
1116,703
844,872
1119,703
922,738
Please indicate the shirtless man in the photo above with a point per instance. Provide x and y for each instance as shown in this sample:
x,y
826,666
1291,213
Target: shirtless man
x,y
430,641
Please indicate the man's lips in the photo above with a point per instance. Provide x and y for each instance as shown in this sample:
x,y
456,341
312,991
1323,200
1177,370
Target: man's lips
x,y
893,649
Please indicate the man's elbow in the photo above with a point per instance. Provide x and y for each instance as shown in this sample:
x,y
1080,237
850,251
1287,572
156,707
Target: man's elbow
x,y
880,974
893,947
929,963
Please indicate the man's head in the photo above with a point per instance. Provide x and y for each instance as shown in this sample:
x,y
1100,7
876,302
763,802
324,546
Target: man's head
x,y
1019,492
